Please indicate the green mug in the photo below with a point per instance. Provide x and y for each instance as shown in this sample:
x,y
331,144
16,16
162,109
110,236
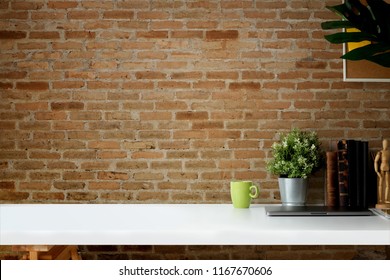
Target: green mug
x,y
242,193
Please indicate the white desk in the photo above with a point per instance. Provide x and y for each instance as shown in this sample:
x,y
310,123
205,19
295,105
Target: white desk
x,y
179,224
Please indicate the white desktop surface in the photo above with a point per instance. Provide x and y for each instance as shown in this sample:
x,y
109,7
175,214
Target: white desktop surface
x,y
179,224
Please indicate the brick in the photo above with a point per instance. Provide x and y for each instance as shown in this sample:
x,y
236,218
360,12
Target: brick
x,y
62,4
182,155
49,196
7,186
5,34
187,34
174,85
40,186
68,85
155,116
13,196
222,75
111,155
270,5
236,4
67,106
44,35
168,24
78,175
79,154
83,15
35,86
248,154
292,34
257,75
150,75
203,164
189,197
103,145
13,74
113,175
210,154
147,155
222,34
152,15
191,115
152,34
69,185
234,164
171,105
138,145
148,176
45,155
67,45
182,175
169,165
207,125
68,125
190,134
216,175
152,196
174,145
118,14
172,186
28,165
224,134
261,14
94,165
82,196
244,85
33,65
80,34
116,196
311,64
152,135
42,15
31,106
22,5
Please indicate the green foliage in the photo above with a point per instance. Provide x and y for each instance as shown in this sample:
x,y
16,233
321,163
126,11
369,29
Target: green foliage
x,y
297,155
372,18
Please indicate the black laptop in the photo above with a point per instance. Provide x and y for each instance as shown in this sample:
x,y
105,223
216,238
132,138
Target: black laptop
x,y
281,210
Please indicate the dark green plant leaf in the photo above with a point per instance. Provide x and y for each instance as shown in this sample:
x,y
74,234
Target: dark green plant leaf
x,y
366,51
372,20
381,59
336,24
381,10
344,37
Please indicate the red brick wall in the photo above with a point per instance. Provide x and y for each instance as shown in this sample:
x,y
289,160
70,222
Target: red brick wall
x,y
166,101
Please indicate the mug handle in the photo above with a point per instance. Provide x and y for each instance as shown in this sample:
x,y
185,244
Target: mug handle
x,y
256,189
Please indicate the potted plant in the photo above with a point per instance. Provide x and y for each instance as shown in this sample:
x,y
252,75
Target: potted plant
x,y
295,156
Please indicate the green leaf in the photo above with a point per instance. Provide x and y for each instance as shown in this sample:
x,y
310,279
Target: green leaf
x,y
381,59
344,37
336,24
366,51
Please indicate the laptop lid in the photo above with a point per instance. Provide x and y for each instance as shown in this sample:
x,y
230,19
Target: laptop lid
x,y
315,211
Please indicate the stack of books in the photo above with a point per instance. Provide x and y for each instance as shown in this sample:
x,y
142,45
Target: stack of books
x,y
350,180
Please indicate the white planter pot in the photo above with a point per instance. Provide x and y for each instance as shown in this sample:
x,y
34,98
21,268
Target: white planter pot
x,y
293,191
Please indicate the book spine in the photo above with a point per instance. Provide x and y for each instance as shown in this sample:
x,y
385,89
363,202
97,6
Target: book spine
x,y
365,177
359,179
342,164
332,189
352,172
